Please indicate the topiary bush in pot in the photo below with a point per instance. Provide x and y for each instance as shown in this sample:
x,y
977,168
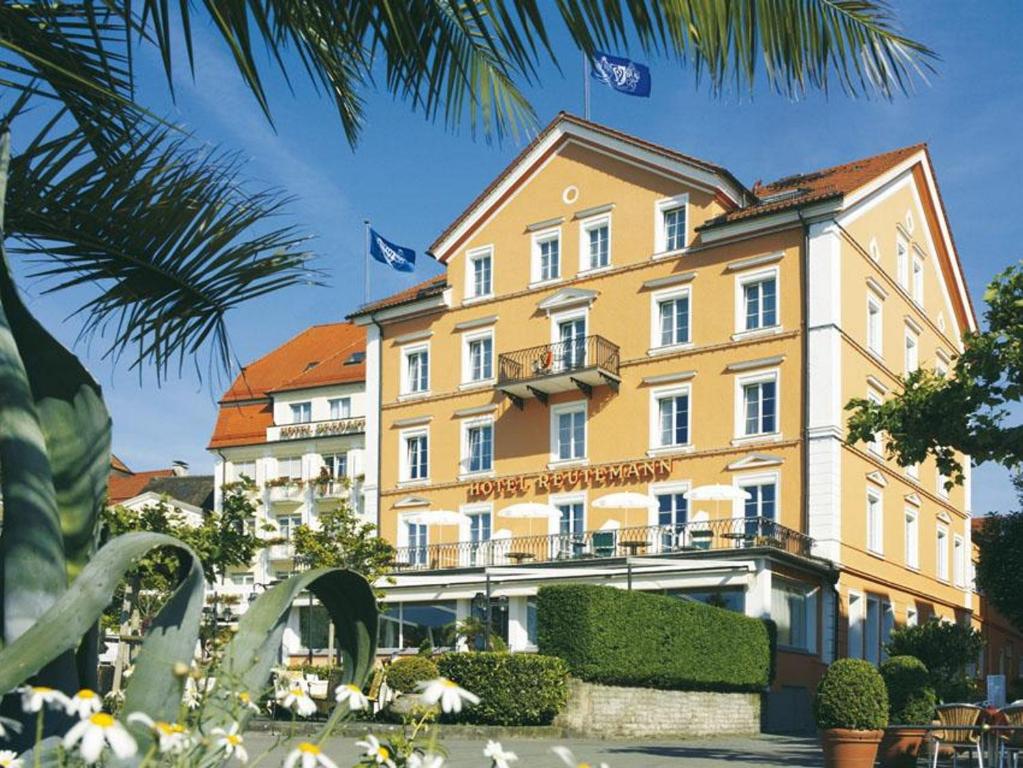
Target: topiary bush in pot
x,y
405,673
911,704
851,709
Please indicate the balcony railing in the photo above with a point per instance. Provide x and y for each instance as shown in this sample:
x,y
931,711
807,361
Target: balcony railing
x,y
697,536
583,362
334,489
287,492
284,551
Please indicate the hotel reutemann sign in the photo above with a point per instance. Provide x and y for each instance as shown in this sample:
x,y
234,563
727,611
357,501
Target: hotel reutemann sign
x,y
351,426
566,479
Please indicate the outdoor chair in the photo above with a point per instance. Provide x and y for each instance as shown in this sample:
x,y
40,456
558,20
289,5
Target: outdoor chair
x,y
604,543
1011,742
700,538
961,731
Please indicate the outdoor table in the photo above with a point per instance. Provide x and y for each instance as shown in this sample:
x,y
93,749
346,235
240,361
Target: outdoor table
x,y
519,557
734,535
633,546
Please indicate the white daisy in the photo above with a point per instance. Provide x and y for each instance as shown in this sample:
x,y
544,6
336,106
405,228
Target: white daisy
x,y
245,699
231,742
9,759
172,738
297,700
307,755
84,703
92,734
417,760
352,694
448,693
35,697
194,692
569,759
498,755
374,750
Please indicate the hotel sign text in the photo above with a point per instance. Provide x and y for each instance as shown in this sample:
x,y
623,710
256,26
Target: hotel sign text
x,y
607,474
322,429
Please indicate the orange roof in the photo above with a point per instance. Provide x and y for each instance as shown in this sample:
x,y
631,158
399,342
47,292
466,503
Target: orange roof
x,y
117,465
418,291
318,356
121,488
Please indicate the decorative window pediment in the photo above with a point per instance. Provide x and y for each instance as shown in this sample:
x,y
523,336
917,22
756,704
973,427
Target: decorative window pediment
x,y
567,297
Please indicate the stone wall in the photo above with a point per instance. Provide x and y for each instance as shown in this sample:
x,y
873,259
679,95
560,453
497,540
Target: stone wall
x,y
602,710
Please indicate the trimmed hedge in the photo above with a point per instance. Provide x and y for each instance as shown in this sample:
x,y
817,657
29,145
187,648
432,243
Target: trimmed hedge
x,y
514,688
405,672
911,698
611,636
851,694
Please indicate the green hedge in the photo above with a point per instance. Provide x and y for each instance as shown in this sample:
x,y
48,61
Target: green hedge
x,y
611,636
404,673
851,694
514,688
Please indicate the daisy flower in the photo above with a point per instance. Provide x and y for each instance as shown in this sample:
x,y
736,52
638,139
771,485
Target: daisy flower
x,y
307,755
231,742
417,760
194,691
172,738
245,699
374,750
84,703
297,700
498,755
569,759
9,759
448,693
94,733
35,697
353,695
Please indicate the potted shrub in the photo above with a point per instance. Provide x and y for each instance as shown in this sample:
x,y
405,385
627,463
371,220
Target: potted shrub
x,y
851,708
911,703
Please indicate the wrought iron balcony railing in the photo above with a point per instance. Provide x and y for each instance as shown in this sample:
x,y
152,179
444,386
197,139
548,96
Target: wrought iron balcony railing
x,y
583,362
696,536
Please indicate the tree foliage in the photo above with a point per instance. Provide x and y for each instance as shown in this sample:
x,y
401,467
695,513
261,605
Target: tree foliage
x,y
947,649
341,540
1000,561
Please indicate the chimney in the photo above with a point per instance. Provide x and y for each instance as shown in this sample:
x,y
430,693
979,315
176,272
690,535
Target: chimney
x,y
180,468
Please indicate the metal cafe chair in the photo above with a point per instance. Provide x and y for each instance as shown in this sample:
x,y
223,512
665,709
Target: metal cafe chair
x,y
1011,742
961,731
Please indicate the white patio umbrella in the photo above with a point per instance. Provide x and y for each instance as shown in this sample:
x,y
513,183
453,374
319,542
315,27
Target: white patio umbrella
x,y
717,494
530,510
627,500
430,517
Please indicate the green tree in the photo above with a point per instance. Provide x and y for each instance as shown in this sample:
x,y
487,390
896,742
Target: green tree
x,y
341,540
1000,559
947,650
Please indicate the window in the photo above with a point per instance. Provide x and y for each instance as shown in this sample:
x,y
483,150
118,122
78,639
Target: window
x,y
287,524
912,617
671,427
290,467
875,326
479,526
912,350
546,256
875,522
759,415
887,626
480,280
671,319
568,438
340,407
240,469
416,371
942,554
478,447
301,412
942,485
876,444
336,465
572,518
670,224
570,345
902,262
410,625
872,646
478,351
794,612
918,280
911,535
760,509
856,610
758,301
958,561
672,514
415,456
244,579
913,472
595,243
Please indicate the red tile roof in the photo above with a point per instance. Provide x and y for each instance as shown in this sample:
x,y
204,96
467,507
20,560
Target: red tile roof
x,y
418,291
121,488
318,356
117,465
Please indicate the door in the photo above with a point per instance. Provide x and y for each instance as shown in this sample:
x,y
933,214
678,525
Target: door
x,y
571,541
479,535
672,513
572,334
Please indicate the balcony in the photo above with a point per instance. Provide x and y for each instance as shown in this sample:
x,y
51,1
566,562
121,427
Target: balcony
x,y
686,538
284,551
582,364
291,491
333,489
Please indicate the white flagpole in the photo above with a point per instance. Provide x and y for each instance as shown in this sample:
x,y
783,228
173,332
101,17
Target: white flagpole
x,y
586,86
366,294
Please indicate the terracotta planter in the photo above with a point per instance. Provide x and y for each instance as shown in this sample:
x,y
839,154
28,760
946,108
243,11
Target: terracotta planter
x,y
900,747
846,748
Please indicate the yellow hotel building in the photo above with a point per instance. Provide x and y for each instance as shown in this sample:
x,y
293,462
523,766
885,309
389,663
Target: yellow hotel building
x,y
617,316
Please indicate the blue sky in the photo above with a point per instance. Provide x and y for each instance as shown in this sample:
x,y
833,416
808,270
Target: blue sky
x,y
411,178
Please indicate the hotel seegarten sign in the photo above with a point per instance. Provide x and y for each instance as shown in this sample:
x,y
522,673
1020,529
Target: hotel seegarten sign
x,y
605,474
341,427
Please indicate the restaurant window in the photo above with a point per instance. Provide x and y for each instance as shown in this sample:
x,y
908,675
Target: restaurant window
x,y
313,627
481,265
409,625
301,413
794,612
416,371
731,599
887,627
340,407
531,622
568,432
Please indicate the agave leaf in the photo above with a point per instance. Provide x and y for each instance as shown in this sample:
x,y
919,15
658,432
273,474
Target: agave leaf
x,y
348,598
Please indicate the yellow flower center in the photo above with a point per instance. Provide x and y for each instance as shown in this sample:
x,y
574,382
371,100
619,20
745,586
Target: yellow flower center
x,y
42,689
86,694
383,753
353,688
244,697
233,739
309,749
297,692
102,719
450,684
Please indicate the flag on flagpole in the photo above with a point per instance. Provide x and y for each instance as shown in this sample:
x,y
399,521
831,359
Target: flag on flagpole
x,y
386,252
622,75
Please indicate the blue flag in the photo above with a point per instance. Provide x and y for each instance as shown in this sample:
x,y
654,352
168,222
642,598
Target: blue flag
x,y
621,74
386,252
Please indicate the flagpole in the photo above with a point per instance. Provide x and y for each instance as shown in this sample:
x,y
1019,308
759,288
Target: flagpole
x,y
586,86
366,294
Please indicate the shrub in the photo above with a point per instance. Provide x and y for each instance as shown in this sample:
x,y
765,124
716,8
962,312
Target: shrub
x,y
911,699
611,636
403,674
851,695
946,649
514,688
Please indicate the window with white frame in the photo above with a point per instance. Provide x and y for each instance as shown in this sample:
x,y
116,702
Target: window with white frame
x,y
301,413
958,561
417,541
912,616
941,541
912,356
340,407
918,280
478,357
286,524
856,614
240,469
876,444
546,256
794,612
757,301
336,465
670,427
758,405
911,537
243,579
762,504
872,633
415,373
478,446
887,627
595,243
289,467
913,472
942,485
568,432
875,325
902,262
875,522
941,366
670,224
480,273
415,451
671,317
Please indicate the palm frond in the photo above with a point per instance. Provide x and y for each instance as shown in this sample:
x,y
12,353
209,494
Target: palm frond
x,y
168,236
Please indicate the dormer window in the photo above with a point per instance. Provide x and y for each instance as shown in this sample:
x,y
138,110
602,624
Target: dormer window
x,y
301,413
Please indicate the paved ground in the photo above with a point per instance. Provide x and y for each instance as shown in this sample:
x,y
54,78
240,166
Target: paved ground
x,y
535,753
